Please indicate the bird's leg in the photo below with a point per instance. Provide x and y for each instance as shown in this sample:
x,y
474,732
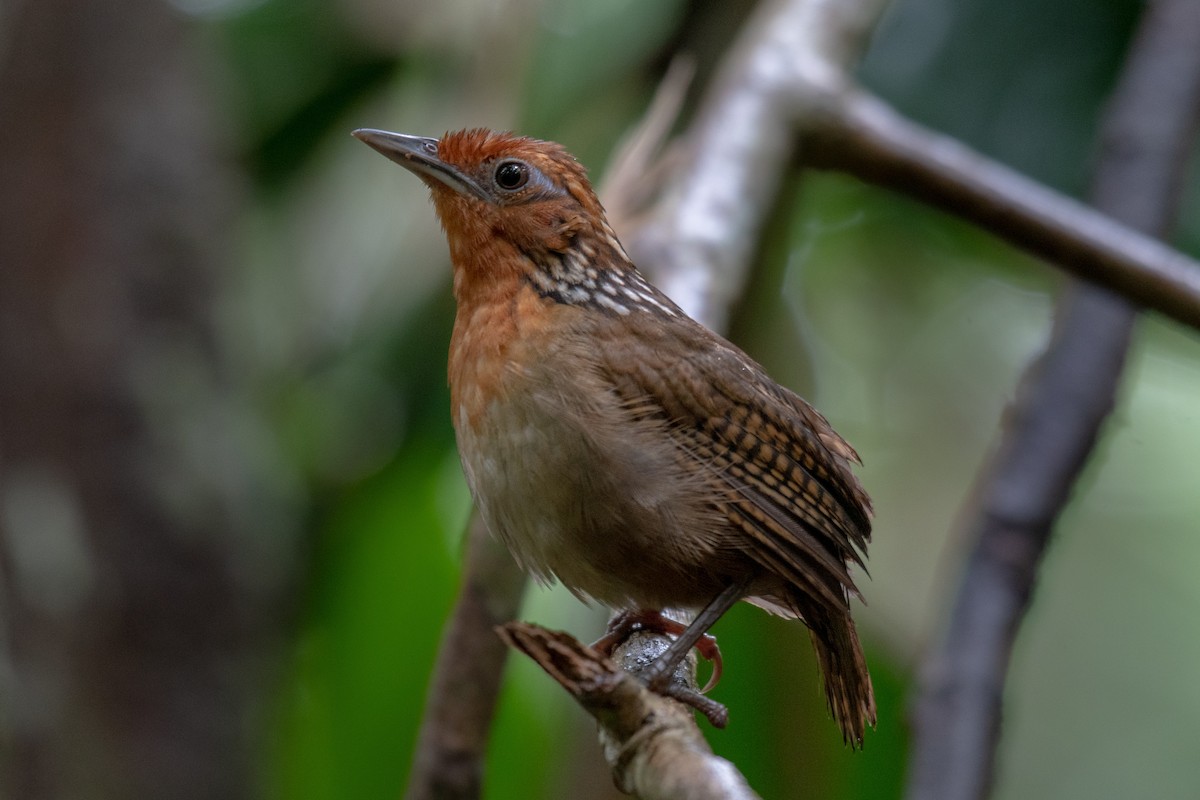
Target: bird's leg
x,y
630,622
623,625
658,674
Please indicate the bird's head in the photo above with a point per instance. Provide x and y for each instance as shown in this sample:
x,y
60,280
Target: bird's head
x,y
508,203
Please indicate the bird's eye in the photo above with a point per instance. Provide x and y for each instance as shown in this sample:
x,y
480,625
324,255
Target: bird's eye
x,y
511,175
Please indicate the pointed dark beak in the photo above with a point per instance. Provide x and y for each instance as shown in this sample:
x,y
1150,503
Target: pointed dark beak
x,y
419,155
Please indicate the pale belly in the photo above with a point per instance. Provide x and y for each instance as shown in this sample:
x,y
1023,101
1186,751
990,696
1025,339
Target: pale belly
x,y
613,517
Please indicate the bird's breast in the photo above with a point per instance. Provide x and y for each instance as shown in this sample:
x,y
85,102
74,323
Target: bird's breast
x,y
579,489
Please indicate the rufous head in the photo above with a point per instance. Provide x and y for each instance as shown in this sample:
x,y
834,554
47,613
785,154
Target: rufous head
x,y
499,197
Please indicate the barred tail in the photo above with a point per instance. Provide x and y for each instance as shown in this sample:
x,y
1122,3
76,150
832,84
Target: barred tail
x,y
847,682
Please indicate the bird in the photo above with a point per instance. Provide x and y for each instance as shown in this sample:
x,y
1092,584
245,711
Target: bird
x,y
615,444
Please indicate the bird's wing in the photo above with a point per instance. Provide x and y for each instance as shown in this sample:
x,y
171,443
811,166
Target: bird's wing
x,y
783,473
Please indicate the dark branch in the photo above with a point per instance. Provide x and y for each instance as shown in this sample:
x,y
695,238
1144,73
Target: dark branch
x,y
448,762
1056,419
872,142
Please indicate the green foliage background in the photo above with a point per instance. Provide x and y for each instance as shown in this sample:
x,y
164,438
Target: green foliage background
x,y
907,327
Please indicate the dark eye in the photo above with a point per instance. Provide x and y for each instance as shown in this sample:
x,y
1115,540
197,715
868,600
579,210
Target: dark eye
x,y
511,175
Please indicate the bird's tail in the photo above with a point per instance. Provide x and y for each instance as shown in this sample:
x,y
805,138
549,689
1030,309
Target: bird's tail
x,y
847,682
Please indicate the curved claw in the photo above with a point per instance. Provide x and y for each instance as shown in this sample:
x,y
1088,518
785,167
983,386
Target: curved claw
x,y
707,646
624,625
629,622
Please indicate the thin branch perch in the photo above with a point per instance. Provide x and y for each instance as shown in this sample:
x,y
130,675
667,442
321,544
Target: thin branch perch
x,y
872,142
651,742
448,761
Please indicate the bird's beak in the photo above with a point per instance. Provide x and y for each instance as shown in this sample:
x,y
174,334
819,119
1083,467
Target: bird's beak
x,y
419,155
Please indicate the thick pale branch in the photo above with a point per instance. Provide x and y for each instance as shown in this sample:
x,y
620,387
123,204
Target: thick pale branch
x,y
699,239
651,742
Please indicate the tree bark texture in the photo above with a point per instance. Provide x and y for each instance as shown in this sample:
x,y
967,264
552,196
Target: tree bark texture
x,y
133,622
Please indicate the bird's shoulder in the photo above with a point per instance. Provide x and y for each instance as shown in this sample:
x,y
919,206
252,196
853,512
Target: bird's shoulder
x,y
720,403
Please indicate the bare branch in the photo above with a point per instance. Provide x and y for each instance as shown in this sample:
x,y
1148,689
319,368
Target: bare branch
x,y
638,165
651,742
448,761
872,142
787,82
699,240
1056,419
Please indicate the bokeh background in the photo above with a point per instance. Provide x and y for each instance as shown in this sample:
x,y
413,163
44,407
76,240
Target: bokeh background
x,y
331,312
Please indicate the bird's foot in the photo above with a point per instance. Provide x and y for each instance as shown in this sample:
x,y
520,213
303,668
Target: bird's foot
x,y
625,624
714,712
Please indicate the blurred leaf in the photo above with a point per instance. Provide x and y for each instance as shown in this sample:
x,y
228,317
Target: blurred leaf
x,y
297,69
383,591
1023,81
586,48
